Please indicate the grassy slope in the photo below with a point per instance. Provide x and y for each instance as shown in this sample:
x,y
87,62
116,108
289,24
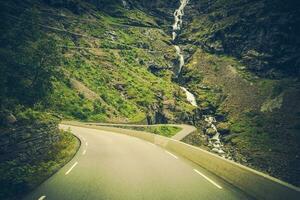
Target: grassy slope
x,y
112,60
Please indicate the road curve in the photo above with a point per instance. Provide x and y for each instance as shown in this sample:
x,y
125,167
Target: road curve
x,y
185,129
120,167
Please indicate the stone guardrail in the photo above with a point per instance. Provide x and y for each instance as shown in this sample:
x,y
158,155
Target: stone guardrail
x,y
252,182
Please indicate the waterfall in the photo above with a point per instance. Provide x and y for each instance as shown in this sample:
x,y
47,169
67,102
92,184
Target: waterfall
x,y
180,58
211,129
214,141
178,15
125,5
190,97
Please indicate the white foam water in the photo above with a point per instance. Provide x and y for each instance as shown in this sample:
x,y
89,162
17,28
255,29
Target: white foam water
x,y
189,97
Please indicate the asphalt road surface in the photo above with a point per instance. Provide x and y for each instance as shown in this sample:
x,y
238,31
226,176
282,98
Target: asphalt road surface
x,y
119,167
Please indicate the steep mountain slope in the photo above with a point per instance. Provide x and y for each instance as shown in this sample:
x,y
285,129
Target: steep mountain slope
x,y
123,57
263,34
243,67
118,64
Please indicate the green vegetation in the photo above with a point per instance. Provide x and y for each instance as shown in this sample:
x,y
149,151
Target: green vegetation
x,y
22,169
106,55
234,27
98,61
82,64
259,118
164,130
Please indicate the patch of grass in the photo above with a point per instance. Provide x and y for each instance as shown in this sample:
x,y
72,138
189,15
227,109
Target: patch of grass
x,y
167,131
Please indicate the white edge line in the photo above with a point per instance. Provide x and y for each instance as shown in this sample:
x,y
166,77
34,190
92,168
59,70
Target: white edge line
x,y
211,181
42,197
171,154
84,152
71,168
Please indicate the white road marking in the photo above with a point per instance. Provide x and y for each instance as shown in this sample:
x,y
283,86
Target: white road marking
x,y
83,138
86,144
84,152
171,154
71,168
215,184
42,197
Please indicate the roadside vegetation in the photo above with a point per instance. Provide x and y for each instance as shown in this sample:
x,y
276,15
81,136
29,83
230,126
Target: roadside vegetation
x,y
98,61
31,150
163,130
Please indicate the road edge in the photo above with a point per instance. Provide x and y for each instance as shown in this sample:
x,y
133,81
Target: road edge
x,y
252,182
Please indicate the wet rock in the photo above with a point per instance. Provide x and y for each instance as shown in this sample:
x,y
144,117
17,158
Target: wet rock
x,y
11,119
120,87
155,69
210,132
216,47
7,118
216,137
218,142
215,150
223,128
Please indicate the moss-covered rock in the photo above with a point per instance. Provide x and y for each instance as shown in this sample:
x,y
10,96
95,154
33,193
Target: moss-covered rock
x,y
223,127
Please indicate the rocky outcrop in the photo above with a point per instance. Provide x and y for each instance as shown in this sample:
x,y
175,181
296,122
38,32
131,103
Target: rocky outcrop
x,y
27,143
7,118
264,34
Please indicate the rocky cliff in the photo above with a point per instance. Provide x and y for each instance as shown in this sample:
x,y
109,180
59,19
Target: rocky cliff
x,y
263,34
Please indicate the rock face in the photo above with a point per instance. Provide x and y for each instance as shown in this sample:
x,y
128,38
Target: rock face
x,y
28,142
7,118
264,34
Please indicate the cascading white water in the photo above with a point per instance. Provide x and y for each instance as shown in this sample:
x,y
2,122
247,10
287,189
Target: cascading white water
x,y
214,141
180,58
190,97
178,15
125,5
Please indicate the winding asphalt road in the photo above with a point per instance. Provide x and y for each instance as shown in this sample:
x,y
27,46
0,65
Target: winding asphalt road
x,y
117,167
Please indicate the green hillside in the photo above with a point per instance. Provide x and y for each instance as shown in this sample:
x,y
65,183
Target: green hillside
x,y
115,62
